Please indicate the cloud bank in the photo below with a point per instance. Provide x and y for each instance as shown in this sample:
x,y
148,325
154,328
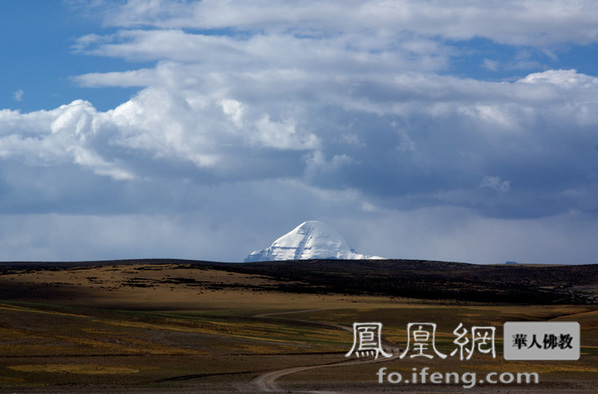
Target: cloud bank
x,y
258,115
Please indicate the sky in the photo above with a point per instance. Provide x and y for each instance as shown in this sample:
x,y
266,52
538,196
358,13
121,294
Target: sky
x,y
419,129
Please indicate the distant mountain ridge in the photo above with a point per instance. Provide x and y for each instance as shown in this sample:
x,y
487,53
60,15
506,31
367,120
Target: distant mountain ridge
x,y
311,240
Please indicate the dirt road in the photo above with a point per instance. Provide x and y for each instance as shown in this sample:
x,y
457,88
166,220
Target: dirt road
x,y
267,381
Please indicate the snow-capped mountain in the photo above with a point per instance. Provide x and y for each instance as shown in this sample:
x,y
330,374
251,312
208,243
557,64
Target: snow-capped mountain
x,y
309,240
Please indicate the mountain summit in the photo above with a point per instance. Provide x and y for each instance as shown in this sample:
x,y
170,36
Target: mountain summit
x,y
309,240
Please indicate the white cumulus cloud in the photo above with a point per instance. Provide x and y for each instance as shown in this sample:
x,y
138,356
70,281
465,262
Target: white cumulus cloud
x,y
339,110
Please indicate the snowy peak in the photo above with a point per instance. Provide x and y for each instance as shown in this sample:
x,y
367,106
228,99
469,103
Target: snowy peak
x,y
309,240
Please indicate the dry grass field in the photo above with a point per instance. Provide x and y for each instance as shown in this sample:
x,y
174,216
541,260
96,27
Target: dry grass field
x,y
175,327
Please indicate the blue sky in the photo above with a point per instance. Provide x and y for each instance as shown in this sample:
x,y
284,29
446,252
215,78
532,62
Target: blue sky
x,y
463,130
39,59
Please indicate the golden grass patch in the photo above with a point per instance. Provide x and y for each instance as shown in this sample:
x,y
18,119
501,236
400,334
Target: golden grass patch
x,y
6,380
86,369
17,308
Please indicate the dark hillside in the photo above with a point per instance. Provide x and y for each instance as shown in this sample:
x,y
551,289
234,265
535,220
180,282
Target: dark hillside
x,y
435,280
438,280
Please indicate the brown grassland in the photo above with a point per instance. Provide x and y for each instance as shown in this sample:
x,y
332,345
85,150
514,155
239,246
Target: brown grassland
x,y
175,326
